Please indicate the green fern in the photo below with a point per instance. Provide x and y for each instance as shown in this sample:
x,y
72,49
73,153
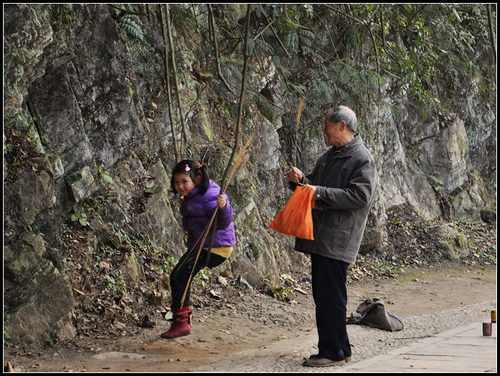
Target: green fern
x,y
351,39
236,72
306,39
278,64
299,89
307,34
132,8
264,46
131,24
293,42
251,47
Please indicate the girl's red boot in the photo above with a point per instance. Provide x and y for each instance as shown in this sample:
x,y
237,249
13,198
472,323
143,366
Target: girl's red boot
x,y
181,325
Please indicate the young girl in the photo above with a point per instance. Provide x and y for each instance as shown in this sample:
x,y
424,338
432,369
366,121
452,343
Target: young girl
x,y
200,197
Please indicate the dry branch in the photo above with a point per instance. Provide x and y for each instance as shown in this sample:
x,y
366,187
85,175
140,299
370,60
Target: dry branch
x,y
299,113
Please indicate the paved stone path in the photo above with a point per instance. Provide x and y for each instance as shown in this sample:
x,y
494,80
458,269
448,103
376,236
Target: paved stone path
x,y
458,328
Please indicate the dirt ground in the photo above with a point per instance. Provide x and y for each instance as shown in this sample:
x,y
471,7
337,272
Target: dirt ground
x,y
251,320
411,276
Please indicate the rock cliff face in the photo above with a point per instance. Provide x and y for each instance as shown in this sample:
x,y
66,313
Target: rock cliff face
x,y
89,144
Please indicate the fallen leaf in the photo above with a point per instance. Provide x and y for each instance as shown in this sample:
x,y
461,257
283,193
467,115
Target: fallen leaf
x,y
216,294
300,290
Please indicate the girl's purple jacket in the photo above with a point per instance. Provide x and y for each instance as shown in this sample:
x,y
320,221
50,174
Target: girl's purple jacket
x,y
197,210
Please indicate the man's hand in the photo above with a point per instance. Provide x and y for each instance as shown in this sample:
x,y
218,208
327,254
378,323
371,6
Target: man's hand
x,y
295,175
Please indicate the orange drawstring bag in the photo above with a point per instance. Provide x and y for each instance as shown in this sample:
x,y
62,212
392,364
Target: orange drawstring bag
x,y
296,217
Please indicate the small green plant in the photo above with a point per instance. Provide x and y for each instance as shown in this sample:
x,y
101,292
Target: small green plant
x,y
18,162
34,227
255,249
287,279
79,217
203,276
155,189
383,267
277,292
110,251
94,206
166,266
104,175
444,119
436,183
53,339
148,156
115,284
67,15
122,236
222,107
130,87
6,317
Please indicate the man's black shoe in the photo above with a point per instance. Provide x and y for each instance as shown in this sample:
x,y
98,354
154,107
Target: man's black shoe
x,y
322,362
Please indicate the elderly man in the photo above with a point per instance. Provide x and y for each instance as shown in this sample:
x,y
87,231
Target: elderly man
x,y
344,180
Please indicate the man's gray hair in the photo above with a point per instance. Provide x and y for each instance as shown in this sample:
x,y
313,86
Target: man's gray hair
x,y
346,114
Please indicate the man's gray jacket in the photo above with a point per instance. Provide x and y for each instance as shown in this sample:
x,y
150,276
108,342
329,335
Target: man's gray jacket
x,y
346,180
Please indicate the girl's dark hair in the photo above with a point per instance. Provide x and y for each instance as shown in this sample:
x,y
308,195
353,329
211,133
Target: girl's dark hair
x,y
194,169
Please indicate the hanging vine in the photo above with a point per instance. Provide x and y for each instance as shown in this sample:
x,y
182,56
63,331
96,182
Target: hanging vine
x,y
216,48
169,91
174,70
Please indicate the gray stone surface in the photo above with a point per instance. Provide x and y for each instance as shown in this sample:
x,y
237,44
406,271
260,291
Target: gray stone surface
x,y
445,341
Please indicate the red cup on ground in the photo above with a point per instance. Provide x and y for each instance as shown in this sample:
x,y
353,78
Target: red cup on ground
x,y
487,329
